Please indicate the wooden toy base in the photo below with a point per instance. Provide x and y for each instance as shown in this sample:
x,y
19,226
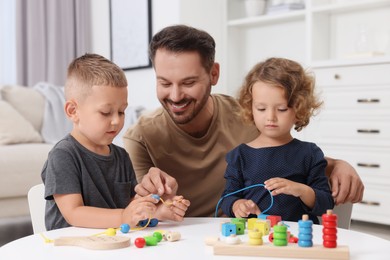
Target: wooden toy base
x,y
94,242
289,251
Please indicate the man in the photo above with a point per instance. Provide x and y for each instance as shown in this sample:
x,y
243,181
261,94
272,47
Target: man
x,y
181,147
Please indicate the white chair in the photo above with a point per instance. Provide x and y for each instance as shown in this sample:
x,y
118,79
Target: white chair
x,y
36,203
343,212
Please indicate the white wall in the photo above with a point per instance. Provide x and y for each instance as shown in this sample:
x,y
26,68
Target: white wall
x,y
141,82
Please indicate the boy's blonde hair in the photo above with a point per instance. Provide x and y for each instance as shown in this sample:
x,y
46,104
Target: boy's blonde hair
x,y
92,70
289,75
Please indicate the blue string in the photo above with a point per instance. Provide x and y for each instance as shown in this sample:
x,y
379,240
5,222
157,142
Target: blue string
x,y
246,188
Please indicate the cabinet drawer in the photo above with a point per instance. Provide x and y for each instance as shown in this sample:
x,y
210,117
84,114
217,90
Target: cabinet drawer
x,y
374,100
372,164
377,74
375,206
345,131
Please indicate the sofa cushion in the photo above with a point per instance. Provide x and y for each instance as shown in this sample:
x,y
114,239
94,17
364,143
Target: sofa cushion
x,y
21,166
14,128
27,101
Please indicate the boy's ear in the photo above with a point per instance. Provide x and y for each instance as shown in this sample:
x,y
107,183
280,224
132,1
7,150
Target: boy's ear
x,y
71,110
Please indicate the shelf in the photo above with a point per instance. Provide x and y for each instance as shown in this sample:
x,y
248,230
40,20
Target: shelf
x,y
351,6
264,19
350,62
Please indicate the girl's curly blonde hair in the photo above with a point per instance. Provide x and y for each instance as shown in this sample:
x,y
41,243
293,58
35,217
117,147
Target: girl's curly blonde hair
x,y
289,75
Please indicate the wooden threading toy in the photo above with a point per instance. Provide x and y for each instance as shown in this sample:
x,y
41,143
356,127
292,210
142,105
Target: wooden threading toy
x,y
303,249
94,242
108,240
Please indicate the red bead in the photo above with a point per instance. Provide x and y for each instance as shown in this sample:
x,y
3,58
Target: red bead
x,y
139,242
271,237
329,224
330,244
329,217
329,231
329,237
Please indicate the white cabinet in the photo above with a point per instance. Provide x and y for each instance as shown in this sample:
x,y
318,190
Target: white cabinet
x,y
347,45
354,125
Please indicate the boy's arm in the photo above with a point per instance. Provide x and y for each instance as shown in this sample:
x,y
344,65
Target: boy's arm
x,y
345,183
76,214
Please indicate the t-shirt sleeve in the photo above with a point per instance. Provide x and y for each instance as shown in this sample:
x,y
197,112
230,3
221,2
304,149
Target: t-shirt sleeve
x,y
138,152
60,174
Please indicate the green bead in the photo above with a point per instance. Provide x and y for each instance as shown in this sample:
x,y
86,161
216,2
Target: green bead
x,y
278,235
150,241
158,235
280,228
280,242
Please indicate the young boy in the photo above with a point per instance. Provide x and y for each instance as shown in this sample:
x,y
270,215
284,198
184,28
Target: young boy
x,y
89,182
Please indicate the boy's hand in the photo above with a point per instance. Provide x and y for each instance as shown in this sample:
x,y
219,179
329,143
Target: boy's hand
x,y
139,209
173,209
243,208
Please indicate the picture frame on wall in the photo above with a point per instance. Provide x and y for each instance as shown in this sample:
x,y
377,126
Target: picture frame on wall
x,y
130,33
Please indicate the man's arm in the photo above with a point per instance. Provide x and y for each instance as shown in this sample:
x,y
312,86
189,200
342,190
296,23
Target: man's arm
x,y
345,183
139,157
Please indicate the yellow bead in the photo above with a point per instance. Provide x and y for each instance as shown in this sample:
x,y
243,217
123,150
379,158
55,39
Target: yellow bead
x,y
110,232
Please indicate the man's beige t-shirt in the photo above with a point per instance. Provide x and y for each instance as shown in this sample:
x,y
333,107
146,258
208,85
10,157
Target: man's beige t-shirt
x,y
198,164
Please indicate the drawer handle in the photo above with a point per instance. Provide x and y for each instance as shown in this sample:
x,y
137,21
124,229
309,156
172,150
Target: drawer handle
x,y
337,76
368,131
370,203
368,165
368,100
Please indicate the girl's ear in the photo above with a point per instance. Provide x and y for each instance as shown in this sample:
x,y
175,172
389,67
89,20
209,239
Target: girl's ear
x,y
71,110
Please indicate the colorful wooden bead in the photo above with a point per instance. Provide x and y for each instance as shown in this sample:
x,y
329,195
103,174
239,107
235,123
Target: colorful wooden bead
x,y
155,196
274,219
262,226
329,221
255,237
173,236
110,232
158,235
139,242
153,222
125,228
305,236
280,235
151,241
232,240
228,229
143,223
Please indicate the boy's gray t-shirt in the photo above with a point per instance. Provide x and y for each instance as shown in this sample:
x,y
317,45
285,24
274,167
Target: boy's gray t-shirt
x,y
102,181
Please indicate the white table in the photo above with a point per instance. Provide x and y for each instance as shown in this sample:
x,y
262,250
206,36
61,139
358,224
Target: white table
x,y
191,246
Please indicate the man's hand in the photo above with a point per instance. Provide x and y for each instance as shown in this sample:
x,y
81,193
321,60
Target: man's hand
x,y
157,182
345,183
174,209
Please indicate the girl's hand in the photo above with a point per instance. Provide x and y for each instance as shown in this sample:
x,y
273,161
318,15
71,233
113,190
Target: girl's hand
x,y
242,208
296,189
283,186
